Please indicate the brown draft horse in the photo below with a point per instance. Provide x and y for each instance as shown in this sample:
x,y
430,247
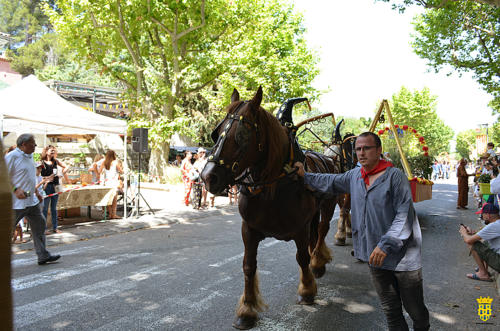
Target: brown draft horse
x,y
253,149
344,200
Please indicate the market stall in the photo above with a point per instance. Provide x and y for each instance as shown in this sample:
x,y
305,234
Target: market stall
x,y
31,107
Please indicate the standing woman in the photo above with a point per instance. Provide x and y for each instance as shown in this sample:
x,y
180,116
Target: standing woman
x,y
111,169
94,168
186,170
50,167
463,185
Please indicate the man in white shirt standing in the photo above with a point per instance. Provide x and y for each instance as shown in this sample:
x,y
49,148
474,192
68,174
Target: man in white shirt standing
x,y
26,200
484,255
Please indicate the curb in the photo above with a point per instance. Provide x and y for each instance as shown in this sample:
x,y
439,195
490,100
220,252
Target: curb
x,y
97,229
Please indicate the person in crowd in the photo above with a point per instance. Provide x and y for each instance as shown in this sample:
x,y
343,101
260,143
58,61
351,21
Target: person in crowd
x,y
435,170
26,199
178,160
463,185
198,166
484,254
109,172
388,234
50,165
232,193
186,170
495,186
491,150
122,116
446,169
95,166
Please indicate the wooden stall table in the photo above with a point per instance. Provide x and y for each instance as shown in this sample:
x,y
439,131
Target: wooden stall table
x,y
94,195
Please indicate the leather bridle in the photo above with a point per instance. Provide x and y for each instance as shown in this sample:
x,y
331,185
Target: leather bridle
x,y
221,139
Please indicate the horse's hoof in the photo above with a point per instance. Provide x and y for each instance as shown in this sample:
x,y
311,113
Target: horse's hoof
x,y
339,242
305,300
244,322
318,272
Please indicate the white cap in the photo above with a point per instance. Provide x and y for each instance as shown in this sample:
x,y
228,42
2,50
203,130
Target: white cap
x,y
201,149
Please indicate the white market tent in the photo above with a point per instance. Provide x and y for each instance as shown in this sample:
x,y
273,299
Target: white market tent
x,y
31,107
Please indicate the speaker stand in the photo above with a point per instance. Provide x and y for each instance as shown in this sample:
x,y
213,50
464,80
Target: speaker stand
x,y
138,194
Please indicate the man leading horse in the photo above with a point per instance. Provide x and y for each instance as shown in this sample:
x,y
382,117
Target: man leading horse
x,y
385,229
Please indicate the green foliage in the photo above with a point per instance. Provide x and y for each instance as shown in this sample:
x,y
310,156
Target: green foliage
x,y
466,141
484,178
417,109
180,60
24,20
420,165
463,35
37,157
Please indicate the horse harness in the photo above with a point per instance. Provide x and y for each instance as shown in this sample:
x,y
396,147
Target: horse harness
x,y
242,137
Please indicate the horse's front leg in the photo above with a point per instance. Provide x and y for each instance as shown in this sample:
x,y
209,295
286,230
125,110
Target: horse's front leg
x,y
340,236
251,301
307,285
321,255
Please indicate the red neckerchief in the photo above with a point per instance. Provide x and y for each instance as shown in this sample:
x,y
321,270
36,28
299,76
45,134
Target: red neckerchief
x,y
381,166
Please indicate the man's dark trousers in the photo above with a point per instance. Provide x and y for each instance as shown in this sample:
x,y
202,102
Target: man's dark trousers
x,y
396,287
37,224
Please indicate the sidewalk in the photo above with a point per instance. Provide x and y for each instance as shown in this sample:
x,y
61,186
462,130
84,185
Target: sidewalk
x,y
166,201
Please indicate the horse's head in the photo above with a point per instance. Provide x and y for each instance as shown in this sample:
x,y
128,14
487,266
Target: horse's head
x,y
238,143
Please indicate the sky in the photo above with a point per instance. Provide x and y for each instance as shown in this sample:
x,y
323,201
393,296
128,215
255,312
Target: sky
x,y
366,56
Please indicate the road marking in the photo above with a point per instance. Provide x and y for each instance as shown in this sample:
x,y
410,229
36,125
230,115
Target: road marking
x,y
151,318
37,311
22,262
52,275
239,256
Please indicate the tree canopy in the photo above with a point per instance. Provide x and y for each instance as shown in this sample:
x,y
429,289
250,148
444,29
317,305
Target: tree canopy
x,y
462,35
180,60
466,142
417,109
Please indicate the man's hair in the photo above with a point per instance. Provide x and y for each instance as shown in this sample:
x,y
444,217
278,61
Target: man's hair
x,y
491,144
375,137
24,138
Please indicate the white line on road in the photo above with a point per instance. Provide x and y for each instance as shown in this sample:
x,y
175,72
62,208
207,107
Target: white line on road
x,y
21,262
239,256
37,311
52,275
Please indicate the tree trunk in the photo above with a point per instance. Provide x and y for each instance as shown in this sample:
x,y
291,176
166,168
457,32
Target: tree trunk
x,y
158,160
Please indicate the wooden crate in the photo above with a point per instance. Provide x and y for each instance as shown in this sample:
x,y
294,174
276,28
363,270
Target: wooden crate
x,y
420,192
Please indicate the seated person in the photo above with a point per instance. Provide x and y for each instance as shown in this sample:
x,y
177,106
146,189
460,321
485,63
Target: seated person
x,y
485,253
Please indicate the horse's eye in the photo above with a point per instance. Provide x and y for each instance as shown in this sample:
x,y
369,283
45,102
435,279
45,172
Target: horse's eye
x,y
242,136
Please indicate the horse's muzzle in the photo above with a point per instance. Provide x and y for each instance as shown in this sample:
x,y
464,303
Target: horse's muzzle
x,y
216,178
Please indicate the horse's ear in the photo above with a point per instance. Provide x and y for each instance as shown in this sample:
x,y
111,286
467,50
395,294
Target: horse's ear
x,y
257,99
235,96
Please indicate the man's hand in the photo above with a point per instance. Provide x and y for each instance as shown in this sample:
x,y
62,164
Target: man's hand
x,y
300,166
19,193
464,230
377,257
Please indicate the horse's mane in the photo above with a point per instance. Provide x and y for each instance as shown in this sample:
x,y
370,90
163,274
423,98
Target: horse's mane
x,y
273,137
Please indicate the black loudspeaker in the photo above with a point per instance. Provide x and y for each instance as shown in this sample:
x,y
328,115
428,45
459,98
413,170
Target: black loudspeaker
x,y
140,140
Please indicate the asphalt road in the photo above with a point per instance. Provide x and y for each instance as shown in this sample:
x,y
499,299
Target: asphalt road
x,y
188,276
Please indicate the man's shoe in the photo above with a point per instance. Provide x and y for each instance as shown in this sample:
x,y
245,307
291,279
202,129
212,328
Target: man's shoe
x,y
51,258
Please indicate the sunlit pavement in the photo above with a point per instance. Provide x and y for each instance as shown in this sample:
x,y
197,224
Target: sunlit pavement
x,y
187,276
